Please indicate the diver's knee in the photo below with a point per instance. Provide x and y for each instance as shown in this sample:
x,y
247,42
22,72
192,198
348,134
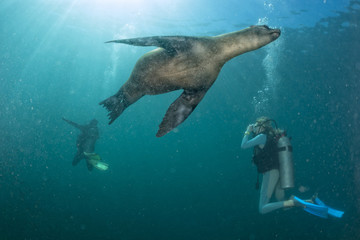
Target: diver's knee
x,y
261,210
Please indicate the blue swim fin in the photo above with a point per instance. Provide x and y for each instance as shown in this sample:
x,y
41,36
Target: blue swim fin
x,y
317,210
331,211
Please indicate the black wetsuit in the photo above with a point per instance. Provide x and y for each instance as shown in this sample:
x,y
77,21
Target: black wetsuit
x,y
85,141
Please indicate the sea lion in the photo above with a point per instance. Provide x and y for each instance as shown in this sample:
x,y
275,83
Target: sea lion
x,y
182,62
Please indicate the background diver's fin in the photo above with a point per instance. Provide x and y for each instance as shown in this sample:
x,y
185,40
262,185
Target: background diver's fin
x,y
101,166
92,156
88,154
179,110
171,44
317,210
94,160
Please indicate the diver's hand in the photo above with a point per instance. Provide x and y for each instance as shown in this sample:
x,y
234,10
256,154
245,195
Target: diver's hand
x,y
250,128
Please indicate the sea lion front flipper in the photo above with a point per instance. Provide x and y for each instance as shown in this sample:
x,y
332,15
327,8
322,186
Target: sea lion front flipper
x,y
170,43
180,109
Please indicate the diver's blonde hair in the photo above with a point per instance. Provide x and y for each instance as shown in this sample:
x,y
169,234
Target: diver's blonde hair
x,y
265,122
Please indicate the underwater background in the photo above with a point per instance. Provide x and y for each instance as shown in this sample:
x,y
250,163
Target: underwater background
x,y
195,182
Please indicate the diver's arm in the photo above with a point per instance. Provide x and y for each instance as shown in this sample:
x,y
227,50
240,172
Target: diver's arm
x,y
73,124
258,140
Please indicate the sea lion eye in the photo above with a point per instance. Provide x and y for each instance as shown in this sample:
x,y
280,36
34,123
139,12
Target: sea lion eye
x,y
265,26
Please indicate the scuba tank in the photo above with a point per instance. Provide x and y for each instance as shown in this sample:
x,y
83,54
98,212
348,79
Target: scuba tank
x,y
286,165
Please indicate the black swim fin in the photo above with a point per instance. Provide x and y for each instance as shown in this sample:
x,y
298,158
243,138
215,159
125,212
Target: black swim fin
x,y
179,110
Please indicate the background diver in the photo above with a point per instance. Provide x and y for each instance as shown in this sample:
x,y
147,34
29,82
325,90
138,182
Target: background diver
x,y
85,144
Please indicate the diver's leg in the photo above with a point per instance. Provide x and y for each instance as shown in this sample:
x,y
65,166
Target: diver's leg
x,y
91,159
279,192
89,165
269,181
79,155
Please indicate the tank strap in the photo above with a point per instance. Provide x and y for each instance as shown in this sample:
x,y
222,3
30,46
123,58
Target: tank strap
x,y
289,148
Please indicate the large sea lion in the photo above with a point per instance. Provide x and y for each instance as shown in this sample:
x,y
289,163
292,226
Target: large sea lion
x,y
181,62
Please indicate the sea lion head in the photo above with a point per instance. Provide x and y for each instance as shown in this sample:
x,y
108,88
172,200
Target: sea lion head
x,y
263,34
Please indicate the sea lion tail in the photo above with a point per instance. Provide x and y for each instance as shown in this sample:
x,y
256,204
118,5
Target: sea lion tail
x,y
115,105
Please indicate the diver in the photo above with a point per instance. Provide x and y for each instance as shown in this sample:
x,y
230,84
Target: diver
x,y
273,159
266,158
85,144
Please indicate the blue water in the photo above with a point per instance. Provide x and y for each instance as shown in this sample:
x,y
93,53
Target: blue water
x,y
195,182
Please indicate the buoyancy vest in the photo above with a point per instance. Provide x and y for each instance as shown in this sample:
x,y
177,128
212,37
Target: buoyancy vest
x,y
266,158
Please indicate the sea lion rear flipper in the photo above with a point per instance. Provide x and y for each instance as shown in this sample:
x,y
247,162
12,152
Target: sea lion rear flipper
x,y
115,105
180,109
170,43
